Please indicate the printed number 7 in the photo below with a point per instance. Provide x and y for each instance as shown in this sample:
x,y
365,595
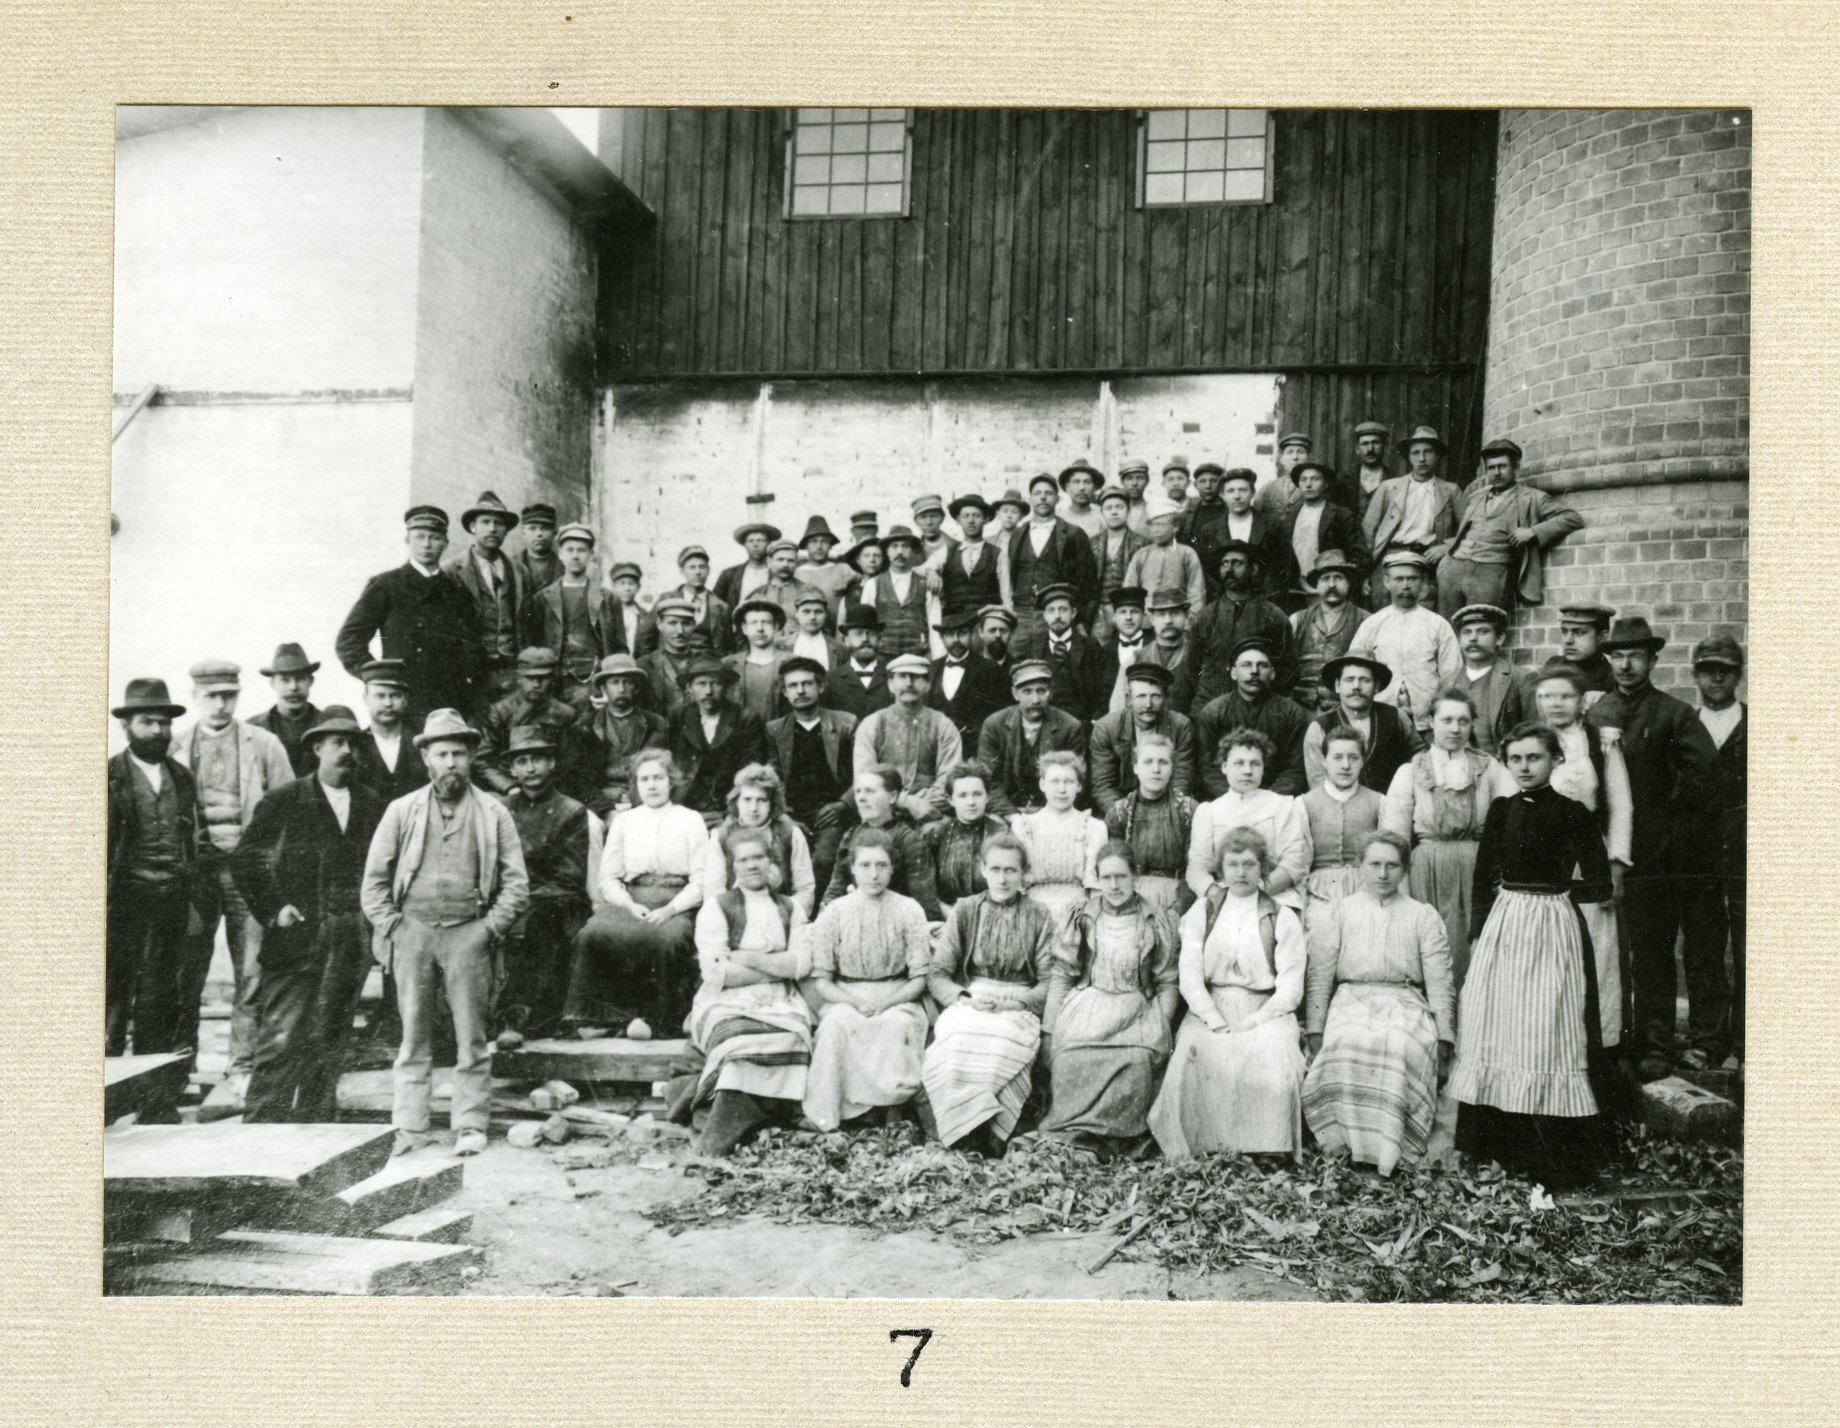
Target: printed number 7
x,y
925,1336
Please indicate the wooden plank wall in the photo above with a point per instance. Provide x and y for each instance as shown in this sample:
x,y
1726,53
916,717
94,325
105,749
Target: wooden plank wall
x,y
1366,280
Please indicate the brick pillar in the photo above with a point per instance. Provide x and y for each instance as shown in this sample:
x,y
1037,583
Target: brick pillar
x,y
1619,358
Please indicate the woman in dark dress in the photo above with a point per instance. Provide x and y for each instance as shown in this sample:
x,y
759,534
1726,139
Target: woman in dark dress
x,y
874,795
955,844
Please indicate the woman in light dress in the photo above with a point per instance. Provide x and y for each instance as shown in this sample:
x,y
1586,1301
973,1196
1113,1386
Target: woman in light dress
x,y
1343,814
1063,842
1277,818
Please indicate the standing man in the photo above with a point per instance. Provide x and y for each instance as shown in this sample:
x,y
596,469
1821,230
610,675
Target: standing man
x,y
1497,556
816,570
1012,509
779,587
1674,785
1166,561
1370,471
1114,738
864,525
1013,739
1501,700
1175,483
1134,476
619,728
496,585
859,686
811,614
1082,684
976,573
532,704
1172,646
1254,703
539,562
1387,736
290,675
1046,551
386,758
1581,629
738,580
712,739
631,628
755,665
1234,519
1325,627
1315,524
1718,665
1114,548
664,667
1280,496
1080,484
153,865
300,868
935,544
234,766
966,687
570,616
920,742
1417,643
814,750
425,618
1240,613
443,885
1204,509
899,597
1416,513
712,629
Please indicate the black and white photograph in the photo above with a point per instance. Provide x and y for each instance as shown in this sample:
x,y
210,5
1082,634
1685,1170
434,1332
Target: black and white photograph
x,y
928,703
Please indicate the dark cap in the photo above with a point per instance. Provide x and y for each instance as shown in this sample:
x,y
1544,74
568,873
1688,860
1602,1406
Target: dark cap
x,y
1587,614
536,660
1501,446
703,665
1147,671
528,739
1059,590
488,504
290,659
390,672
767,607
1082,468
1718,649
333,719
147,696
802,664
539,511
1130,596
860,617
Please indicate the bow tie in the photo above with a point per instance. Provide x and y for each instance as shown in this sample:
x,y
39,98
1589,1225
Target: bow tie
x,y
954,663
1131,644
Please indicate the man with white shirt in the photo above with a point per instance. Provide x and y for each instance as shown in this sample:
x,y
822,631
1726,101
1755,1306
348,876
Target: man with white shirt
x,y
425,618
1416,643
811,609
1234,518
1046,551
630,627
386,756
300,867
966,687
1415,513
1718,666
1127,642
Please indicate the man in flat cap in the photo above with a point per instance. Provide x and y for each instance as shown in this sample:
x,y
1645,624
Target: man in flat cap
x,y
539,560
900,597
1314,524
1719,898
1164,560
1387,735
1416,643
443,885
533,704
976,573
1370,470
1134,477
907,735
1326,626
1211,528
929,520
995,628
1205,507
780,587
966,687
814,749
864,525
1080,484
1175,477
631,628
1113,740
1239,613
619,728
711,738
570,616
859,686
755,665
1279,497
1114,548
664,667
496,584
300,869
1582,627
153,874
1013,739
1254,702
815,568
712,629
809,633
1082,679
290,674
737,580
1415,513
1502,698
1674,785
234,766
1497,556
1171,645
387,758
425,618
1045,551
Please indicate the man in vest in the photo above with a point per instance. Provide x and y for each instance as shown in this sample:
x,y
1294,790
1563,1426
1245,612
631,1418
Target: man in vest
x,y
1370,472
1080,483
1418,644
1113,549
496,584
736,581
899,598
814,750
918,741
966,687
386,756
859,686
1581,627
619,729
1045,551
976,573
1414,514
1497,555
571,617
539,560
1325,627
1171,646
1388,736
152,865
1718,666
712,627
1013,739
443,885
1240,613
234,766
290,675
1113,740
1082,679
1502,699
1253,703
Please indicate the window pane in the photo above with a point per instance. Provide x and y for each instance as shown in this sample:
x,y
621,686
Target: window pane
x,y
851,116
1245,121
810,200
849,168
1167,123
1164,158
1246,184
885,168
900,114
885,198
1206,154
850,138
813,139
1245,153
847,200
814,116
1207,123
1162,188
814,168
887,136
1206,188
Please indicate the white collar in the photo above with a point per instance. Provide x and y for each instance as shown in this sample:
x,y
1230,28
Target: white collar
x,y
428,571
1340,795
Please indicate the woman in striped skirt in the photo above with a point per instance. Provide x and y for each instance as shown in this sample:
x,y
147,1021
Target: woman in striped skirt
x,y
990,974
1530,1064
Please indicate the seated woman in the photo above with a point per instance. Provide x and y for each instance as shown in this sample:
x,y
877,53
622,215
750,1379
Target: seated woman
x,y
1155,823
870,953
1277,818
1235,1080
955,844
874,794
758,803
1112,1003
1343,814
749,1021
1530,1070
634,970
1063,842
1381,1013
990,976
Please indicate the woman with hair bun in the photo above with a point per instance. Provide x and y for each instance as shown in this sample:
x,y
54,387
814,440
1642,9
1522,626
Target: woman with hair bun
x,y
1063,841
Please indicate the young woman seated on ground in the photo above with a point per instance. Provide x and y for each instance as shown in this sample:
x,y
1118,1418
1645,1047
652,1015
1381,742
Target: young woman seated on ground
x,y
990,976
870,953
757,803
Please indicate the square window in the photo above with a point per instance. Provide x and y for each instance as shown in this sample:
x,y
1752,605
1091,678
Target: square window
x,y
816,170
886,168
1163,188
887,198
1166,158
1206,188
849,163
1246,186
847,200
1245,153
1168,123
1204,156
814,139
888,136
811,201
1246,122
1207,123
849,168
850,138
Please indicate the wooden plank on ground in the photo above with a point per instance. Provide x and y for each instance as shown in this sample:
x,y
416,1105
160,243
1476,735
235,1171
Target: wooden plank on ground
x,y
437,1226
166,1223
228,1157
364,1095
131,1083
263,1262
403,1187
608,1058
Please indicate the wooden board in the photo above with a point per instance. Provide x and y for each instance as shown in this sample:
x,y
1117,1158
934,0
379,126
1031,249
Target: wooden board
x,y
261,1262
610,1058
404,1186
131,1083
371,1095
167,1223
231,1157
431,1226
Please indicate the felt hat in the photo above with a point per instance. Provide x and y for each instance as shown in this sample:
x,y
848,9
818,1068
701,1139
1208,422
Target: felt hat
x,y
147,696
1296,438
1421,433
704,665
1167,597
1718,649
909,664
624,567
1059,590
1112,493
1405,557
1175,463
997,612
1130,596
896,533
1082,465
1210,467
488,504
333,719
769,607
853,556
802,664
860,617
536,660
1333,560
391,673
1239,547
1133,467
674,605
809,595
1011,497
425,518
742,532
783,544
1041,478
1251,644
1587,613
1371,428
1501,446
923,504
1147,671
575,530
1631,633
962,619
616,666
1030,671
529,739
971,498
1332,670
209,676
1488,614
537,513
290,659
818,526
446,724
690,552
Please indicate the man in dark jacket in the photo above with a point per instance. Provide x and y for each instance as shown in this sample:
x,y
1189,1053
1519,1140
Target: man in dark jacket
x,y
153,862
387,758
1253,703
1046,552
299,867
1113,740
1674,787
495,583
1581,628
710,739
1314,525
966,688
290,675
1388,737
1082,683
1013,740
859,686
1719,900
617,729
426,619
535,703
1239,614
814,750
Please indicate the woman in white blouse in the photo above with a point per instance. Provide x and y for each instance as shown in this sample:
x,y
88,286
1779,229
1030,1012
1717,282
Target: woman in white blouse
x,y
1277,818
1235,1080
635,969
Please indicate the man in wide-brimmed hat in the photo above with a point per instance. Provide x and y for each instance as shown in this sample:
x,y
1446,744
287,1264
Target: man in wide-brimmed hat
x,y
496,584
1171,645
1325,627
1239,613
534,703
815,568
620,727
152,868
1010,510
1416,513
1081,483
976,572
538,560
290,674
443,885
1349,683
1674,785
424,617
754,537
300,867
711,738
1045,551
1497,555
1418,644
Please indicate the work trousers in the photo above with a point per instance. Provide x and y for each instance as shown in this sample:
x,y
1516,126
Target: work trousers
x,y
145,958
427,961
222,902
1659,906
539,952
305,1009
824,832
1464,582
1717,901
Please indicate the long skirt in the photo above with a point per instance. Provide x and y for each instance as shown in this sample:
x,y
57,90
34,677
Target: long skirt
x,y
625,968
1372,1089
860,1062
1106,1056
1442,871
979,1069
755,1039
1240,1091
1325,887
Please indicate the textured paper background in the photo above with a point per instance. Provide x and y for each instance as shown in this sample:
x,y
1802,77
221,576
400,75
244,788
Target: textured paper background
x,y
73,1357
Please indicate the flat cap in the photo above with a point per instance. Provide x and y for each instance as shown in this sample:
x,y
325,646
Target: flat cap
x,y
1030,671
909,664
211,675
574,530
1718,649
1486,614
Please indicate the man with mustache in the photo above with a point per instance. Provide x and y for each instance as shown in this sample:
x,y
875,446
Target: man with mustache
x,y
299,866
